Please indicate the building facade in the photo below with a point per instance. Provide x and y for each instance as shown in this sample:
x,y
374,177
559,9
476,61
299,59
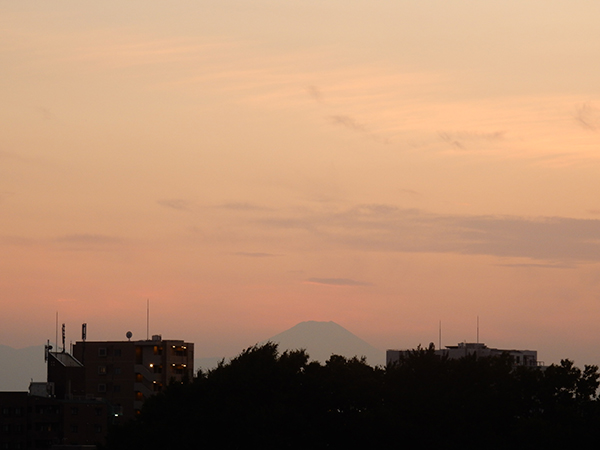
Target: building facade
x,y
126,373
526,358
38,420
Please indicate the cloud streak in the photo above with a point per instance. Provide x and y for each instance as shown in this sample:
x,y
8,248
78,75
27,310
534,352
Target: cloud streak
x,y
352,124
89,240
588,117
175,203
459,139
337,282
255,254
388,228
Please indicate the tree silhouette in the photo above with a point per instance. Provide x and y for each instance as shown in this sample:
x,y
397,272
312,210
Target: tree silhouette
x,y
263,398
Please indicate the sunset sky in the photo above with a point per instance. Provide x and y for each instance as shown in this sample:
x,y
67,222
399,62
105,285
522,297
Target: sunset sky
x,y
248,165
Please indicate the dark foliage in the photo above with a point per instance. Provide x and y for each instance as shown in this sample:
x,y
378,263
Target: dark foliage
x,y
263,399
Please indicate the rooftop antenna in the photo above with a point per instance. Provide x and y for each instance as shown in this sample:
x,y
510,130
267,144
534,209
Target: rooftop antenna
x,y
147,319
440,337
47,349
83,338
56,336
63,338
478,329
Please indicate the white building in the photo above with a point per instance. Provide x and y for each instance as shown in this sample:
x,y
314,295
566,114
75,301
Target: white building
x,y
526,358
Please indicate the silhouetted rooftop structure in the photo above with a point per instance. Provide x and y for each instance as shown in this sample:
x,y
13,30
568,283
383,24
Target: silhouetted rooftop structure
x,y
520,357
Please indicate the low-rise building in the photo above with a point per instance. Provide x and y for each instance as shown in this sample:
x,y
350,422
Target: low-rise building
x,y
526,358
38,420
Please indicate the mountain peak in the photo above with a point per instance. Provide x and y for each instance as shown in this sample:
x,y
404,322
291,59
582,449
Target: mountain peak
x,y
323,339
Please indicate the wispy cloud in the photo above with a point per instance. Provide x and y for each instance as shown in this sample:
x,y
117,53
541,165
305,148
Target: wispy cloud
x,y
45,113
348,122
538,266
388,228
17,240
338,282
255,254
175,203
460,139
410,192
315,93
588,117
352,124
242,206
89,239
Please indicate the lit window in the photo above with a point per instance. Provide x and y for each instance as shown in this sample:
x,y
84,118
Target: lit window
x,y
101,370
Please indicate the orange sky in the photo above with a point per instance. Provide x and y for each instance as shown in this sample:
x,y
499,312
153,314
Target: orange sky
x,y
250,165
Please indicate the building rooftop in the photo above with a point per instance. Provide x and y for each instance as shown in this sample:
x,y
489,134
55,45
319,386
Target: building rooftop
x,y
66,359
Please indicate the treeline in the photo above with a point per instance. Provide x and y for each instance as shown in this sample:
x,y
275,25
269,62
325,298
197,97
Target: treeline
x,y
270,400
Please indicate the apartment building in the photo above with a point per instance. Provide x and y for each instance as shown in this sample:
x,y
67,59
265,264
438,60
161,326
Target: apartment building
x,y
526,358
38,420
126,373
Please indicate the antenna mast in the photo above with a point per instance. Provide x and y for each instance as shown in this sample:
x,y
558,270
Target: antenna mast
x,y
440,336
148,319
478,329
56,336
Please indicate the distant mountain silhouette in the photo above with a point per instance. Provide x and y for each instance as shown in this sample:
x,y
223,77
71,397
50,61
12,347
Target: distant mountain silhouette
x,y
20,366
323,339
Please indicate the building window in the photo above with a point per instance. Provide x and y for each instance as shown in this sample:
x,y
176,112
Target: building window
x,y
158,350
74,429
98,428
101,370
116,388
102,351
180,350
117,371
74,411
102,387
17,411
117,352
